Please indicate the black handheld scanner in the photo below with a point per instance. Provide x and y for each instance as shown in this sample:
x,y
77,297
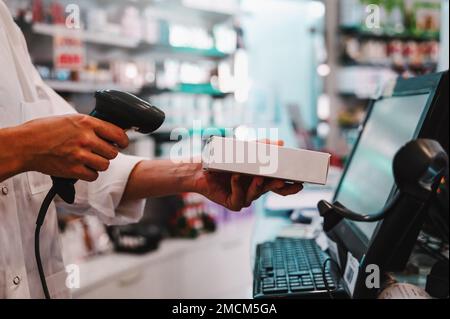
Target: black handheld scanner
x,y
127,111
124,110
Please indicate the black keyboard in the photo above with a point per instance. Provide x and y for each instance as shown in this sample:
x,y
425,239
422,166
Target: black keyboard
x,y
291,267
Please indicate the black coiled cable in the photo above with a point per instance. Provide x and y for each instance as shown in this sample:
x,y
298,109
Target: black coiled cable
x,y
39,222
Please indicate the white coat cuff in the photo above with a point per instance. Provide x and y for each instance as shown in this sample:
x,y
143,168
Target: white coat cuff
x,y
105,194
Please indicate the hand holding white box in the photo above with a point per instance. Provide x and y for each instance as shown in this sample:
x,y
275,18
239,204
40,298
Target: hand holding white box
x,y
268,160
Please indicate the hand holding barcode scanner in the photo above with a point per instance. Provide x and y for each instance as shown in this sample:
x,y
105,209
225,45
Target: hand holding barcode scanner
x,y
121,109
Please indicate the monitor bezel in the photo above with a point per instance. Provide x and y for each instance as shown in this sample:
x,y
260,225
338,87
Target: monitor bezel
x,y
347,233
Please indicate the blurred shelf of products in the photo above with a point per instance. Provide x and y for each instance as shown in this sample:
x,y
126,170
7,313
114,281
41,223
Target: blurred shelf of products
x,y
144,47
404,41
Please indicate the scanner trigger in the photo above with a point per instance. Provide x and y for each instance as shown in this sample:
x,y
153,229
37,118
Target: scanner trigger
x,y
65,188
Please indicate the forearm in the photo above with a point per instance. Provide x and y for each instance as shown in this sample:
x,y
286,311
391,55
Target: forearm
x,y
152,178
11,152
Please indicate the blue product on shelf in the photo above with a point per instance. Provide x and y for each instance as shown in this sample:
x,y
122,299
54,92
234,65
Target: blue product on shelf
x,y
62,74
44,71
164,32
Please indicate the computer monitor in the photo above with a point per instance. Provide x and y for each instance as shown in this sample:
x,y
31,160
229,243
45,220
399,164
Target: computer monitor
x,y
416,108
393,121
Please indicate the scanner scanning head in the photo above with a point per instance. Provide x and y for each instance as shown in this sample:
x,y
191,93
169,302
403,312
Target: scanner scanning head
x,y
127,111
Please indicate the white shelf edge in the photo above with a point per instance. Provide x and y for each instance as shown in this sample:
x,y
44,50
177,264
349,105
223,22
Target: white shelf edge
x,y
87,36
120,41
83,87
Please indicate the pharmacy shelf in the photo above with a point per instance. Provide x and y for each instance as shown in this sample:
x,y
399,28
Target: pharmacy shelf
x,y
405,36
165,51
346,62
187,88
352,95
86,36
189,15
164,132
85,87
203,88
116,40
368,80
212,12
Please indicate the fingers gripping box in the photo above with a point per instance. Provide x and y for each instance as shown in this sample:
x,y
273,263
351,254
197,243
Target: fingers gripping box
x,y
261,159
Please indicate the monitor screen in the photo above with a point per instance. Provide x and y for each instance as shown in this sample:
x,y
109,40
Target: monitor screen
x,y
369,180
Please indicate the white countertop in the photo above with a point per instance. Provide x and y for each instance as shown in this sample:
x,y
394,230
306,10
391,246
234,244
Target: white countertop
x,y
103,269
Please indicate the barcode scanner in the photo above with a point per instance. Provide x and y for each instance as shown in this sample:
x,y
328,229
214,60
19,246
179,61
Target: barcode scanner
x,y
121,109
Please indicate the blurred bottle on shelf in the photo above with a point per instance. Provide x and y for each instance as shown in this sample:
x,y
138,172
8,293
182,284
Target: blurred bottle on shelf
x,y
414,56
97,20
82,237
191,222
150,27
226,38
56,13
38,11
190,37
131,23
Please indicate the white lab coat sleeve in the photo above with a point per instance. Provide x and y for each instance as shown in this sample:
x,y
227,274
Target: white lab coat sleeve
x,y
102,197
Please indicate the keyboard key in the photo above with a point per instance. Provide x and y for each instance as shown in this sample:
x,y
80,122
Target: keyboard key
x,y
320,286
300,273
318,278
275,290
302,288
280,273
310,287
306,278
